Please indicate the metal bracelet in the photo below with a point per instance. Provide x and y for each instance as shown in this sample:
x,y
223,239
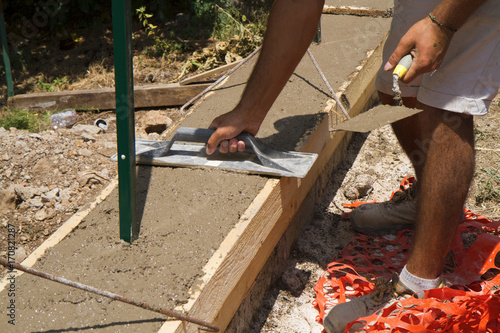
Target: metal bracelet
x,y
441,25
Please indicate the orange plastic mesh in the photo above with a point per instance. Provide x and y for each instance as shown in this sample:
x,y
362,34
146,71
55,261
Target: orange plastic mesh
x,y
471,305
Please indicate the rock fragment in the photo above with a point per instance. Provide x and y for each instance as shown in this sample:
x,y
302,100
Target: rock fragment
x,y
8,200
359,187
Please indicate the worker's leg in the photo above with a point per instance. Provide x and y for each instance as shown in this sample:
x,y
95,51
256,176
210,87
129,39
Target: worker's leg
x,y
407,131
401,211
446,176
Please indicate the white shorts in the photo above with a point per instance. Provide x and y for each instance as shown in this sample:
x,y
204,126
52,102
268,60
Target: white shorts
x,y
469,77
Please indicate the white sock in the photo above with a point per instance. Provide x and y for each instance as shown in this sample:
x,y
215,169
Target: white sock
x,y
416,284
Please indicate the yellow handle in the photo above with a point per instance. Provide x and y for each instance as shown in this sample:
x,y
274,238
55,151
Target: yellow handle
x,y
403,66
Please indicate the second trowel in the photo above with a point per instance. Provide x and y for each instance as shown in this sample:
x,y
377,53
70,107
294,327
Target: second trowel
x,y
187,149
374,118
382,114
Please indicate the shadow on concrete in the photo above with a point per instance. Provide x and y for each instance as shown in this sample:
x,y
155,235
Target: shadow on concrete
x,y
143,179
327,95
293,132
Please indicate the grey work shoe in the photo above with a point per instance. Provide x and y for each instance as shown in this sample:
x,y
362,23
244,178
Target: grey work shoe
x,y
385,294
382,218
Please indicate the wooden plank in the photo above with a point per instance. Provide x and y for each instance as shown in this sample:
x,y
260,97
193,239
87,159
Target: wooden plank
x,y
160,95
357,11
233,278
206,75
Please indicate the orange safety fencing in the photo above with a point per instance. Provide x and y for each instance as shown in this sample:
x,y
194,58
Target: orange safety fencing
x,y
471,304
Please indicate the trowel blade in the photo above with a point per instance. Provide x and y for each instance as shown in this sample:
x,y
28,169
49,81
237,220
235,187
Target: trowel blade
x,y
374,118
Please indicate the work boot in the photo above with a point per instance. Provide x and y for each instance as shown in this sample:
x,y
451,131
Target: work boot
x,y
381,218
384,295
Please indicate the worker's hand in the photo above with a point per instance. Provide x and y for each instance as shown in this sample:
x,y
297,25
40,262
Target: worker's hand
x,y
427,43
227,127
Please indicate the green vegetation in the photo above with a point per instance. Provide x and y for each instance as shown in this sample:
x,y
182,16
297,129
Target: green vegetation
x,y
207,33
216,20
25,120
56,84
161,45
478,134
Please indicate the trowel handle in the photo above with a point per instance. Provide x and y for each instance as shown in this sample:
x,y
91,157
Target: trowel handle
x,y
403,66
265,155
201,135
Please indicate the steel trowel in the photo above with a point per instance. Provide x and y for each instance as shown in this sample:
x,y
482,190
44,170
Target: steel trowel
x,y
187,148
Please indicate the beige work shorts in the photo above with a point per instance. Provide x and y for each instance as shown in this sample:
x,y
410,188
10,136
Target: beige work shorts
x,y
469,77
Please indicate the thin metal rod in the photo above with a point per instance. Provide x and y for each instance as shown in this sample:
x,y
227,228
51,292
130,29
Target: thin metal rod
x,y
328,85
108,294
192,100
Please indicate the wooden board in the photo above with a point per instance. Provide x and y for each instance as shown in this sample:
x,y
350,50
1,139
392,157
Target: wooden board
x,y
160,95
205,75
357,11
230,280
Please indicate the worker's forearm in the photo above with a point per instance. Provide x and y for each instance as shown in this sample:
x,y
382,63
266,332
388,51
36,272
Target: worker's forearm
x,y
454,13
291,27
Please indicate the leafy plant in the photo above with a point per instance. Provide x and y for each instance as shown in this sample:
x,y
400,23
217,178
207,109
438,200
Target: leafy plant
x,y
160,46
55,85
144,19
478,134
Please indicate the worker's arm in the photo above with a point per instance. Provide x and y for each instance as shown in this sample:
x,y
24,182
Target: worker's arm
x,y
291,27
428,40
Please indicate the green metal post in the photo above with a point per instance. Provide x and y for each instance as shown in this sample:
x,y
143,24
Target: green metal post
x,y
5,54
124,87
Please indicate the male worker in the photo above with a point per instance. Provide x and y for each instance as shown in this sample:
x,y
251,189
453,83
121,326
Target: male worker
x,y
455,75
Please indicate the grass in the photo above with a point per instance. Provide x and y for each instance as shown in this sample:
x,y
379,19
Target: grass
x,y
25,120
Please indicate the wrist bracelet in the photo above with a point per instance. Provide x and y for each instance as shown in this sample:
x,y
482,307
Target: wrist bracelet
x,y
441,25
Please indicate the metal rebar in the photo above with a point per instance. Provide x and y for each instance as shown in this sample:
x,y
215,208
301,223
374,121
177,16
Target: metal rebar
x,y
328,85
231,71
111,295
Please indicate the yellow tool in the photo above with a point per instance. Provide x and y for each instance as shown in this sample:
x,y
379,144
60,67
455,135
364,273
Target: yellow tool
x,y
403,66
